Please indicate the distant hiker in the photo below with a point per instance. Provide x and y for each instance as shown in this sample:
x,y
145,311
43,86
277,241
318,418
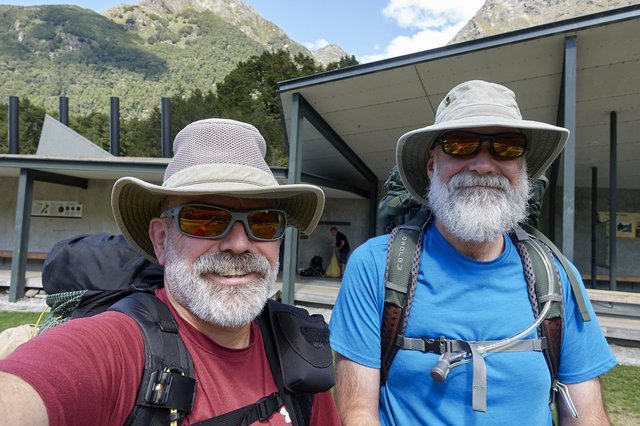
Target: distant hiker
x,y
342,245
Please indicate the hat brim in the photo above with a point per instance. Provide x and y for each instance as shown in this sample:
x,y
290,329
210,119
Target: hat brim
x,y
545,142
135,202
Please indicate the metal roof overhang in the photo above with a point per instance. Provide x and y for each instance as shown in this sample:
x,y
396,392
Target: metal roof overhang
x,y
64,169
368,107
103,168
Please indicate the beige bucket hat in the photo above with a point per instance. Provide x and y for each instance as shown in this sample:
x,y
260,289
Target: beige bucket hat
x,y
214,156
476,104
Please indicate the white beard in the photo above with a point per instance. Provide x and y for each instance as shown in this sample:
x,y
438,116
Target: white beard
x,y
479,208
231,306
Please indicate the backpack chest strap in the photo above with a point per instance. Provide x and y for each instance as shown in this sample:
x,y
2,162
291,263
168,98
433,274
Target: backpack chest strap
x,y
457,352
441,346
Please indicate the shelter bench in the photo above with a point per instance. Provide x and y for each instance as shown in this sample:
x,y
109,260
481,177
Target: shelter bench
x,y
618,313
632,279
31,255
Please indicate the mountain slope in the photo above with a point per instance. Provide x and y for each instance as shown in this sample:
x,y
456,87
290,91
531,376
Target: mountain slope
x,y
138,53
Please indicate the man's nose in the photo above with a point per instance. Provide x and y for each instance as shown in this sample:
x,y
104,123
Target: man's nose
x,y
236,240
483,162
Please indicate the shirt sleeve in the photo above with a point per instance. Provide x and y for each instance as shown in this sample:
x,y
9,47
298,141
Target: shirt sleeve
x,y
357,314
585,353
84,380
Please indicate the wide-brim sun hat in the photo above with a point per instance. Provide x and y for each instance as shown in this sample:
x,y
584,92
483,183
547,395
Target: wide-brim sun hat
x,y
212,157
472,105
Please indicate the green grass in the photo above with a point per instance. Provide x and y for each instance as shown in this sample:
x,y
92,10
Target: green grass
x,y
620,384
621,395
12,319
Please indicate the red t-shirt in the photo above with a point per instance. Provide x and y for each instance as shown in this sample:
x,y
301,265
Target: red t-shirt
x,y
88,370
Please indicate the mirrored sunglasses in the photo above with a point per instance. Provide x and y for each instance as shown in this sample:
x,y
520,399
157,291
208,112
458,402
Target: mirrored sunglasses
x,y
207,221
506,146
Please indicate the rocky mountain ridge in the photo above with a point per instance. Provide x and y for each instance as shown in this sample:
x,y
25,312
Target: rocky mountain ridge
x,y
235,12
500,16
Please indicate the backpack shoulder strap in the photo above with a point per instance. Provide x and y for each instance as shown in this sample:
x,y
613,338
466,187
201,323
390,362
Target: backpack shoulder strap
x,y
298,404
543,282
167,388
401,275
575,286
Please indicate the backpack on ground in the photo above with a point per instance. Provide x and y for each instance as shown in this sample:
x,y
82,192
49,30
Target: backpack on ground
x,y
315,268
544,288
89,274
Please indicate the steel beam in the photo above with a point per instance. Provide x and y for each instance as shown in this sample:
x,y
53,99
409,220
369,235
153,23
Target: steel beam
x,y
613,199
291,235
114,126
21,236
569,158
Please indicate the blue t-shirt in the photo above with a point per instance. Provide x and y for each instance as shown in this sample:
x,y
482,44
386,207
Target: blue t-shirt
x,y
460,298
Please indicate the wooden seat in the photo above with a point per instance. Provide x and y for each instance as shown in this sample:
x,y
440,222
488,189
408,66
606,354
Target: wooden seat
x,y
620,278
31,255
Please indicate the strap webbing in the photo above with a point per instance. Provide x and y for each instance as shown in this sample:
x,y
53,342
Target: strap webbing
x,y
575,286
298,411
260,410
167,380
450,346
401,275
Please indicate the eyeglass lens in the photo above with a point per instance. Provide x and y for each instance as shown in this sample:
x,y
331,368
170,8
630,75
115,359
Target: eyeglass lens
x,y
210,222
503,145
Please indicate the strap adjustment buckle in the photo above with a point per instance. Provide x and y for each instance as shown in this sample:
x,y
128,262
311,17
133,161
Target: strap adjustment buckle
x,y
438,346
264,406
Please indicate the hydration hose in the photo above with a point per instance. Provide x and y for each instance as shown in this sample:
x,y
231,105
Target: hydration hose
x,y
448,360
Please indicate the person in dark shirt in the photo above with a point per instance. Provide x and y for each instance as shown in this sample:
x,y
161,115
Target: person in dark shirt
x,y
342,245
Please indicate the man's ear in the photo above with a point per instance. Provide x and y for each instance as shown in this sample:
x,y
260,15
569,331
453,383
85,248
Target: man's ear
x,y
430,163
158,236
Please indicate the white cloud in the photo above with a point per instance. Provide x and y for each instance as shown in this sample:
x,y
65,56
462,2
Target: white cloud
x,y
435,22
318,44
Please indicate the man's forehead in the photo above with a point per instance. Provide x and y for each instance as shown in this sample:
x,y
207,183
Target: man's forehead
x,y
220,200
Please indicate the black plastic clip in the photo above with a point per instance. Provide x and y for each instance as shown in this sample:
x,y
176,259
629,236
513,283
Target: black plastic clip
x,y
159,387
265,406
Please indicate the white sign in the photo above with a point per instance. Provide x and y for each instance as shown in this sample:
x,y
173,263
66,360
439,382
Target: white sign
x,y
56,208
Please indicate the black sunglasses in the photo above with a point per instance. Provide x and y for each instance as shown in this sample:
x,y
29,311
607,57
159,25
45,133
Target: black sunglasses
x,y
507,146
208,221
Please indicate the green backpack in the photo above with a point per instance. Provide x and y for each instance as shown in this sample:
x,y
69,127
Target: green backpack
x,y
408,220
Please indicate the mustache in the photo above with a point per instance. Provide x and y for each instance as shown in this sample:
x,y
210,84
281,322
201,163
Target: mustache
x,y
231,264
470,179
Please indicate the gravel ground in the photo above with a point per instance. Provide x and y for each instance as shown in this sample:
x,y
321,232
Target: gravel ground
x,y
626,355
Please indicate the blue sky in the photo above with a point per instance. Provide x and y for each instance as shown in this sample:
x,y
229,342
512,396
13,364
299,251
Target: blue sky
x,y
369,29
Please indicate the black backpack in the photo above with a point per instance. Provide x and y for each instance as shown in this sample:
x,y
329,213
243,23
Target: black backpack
x,y
407,220
89,274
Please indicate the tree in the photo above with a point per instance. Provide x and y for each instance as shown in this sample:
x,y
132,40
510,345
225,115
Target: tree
x,y
248,93
31,119
343,62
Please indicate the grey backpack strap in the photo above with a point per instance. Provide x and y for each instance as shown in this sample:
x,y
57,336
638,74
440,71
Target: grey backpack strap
x,y
575,285
543,283
542,276
401,275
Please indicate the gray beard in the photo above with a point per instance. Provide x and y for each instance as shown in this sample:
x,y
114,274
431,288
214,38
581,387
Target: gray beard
x,y
476,214
216,304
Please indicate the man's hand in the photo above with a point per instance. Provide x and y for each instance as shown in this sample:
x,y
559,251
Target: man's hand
x,y
357,391
587,397
20,403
